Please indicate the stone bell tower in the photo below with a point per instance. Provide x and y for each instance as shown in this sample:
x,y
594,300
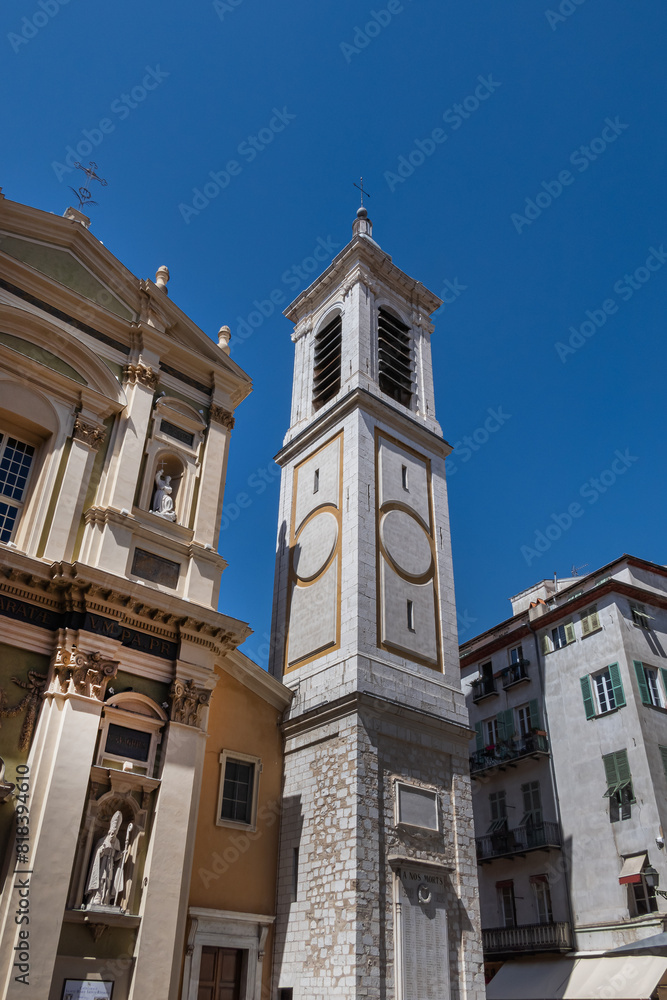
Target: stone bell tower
x,y
377,892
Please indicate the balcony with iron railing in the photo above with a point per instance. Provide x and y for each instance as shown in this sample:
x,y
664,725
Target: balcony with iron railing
x,y
528,938
482,687
515,673
506,753
503,843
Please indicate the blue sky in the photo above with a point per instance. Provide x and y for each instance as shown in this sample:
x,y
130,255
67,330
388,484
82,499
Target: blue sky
x,y
543,207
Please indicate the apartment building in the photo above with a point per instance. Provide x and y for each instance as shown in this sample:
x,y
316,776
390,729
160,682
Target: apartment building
x,y
568,699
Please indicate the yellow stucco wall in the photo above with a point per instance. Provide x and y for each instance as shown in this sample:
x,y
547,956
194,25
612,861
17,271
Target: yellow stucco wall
x,y
232,870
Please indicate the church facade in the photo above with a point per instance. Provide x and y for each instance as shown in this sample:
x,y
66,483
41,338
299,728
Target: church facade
x,y
176,822
129,753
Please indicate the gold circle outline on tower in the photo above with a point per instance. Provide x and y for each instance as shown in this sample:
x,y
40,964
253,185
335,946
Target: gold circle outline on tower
x,y
419,578
329,511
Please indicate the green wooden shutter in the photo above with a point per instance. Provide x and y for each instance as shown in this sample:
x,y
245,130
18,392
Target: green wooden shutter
x,y
594,619
610,773
534,709
546,644
506,724
589,704
479,735
617,685
585,624
663,755
663,674
569,632
622,765
641,681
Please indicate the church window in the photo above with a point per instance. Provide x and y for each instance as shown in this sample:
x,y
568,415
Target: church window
x,y
15,463
394,357
404,477
411,616
171,430
239,784
316,481
326,373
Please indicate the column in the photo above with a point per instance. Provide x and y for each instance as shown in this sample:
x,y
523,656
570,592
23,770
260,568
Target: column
x,y
159,950
59,769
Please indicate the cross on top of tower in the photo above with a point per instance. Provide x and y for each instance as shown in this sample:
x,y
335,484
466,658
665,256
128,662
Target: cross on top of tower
x,y
360,187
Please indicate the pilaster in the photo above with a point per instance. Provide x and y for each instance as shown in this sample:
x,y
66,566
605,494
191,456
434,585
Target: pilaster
x,y
59,766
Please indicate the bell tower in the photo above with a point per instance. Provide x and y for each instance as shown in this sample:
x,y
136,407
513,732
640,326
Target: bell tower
x,y
377,890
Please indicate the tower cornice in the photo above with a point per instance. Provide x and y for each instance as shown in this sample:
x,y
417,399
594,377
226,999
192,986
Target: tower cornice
x,y
362,260
360,399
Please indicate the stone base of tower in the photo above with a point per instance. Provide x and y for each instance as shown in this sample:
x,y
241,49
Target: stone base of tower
x,y
377,890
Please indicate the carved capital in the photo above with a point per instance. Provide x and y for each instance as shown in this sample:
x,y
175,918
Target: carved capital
x,y
81,673
187,702
91,434
140,373
219,415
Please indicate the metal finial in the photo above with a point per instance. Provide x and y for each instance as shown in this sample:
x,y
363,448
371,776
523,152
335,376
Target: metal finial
x,y
83,193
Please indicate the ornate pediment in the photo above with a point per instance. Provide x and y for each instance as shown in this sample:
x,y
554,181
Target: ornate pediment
x,y
61,265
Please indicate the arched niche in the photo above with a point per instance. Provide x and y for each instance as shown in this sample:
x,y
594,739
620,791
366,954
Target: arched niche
x,y
173,449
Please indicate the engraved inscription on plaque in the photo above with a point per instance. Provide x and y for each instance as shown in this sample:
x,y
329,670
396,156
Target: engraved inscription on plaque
x,y
422,934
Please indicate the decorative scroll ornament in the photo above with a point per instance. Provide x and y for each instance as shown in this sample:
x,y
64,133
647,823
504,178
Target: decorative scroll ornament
x,y
91,434
221,416
82,673
141,373
30,702
187,701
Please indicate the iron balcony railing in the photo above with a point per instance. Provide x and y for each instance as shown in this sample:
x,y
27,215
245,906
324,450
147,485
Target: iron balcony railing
x,y
529,938
516,672
508,751
483,686
530,837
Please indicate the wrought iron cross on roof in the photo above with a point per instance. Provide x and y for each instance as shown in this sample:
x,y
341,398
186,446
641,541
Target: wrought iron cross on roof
x,y
360,187
83,193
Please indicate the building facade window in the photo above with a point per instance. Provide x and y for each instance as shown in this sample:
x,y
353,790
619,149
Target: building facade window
x,y
16,458
516,654
506,903
619,785
491,731
602,692
532,804
528,718
652,689
542,897
239,788
642,898
590,621
561,635
498,807
640,616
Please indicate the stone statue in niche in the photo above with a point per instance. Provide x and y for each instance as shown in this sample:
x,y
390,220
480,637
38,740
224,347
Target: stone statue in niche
x,y
163,504
106,865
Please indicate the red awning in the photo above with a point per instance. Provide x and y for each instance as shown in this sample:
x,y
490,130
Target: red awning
x,y
632,869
